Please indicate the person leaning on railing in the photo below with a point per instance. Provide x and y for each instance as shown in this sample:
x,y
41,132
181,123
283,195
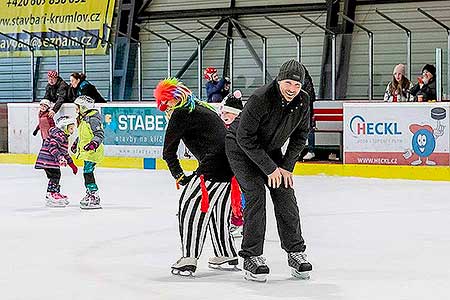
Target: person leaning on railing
x,y
425,89
398,89
56,92
79,86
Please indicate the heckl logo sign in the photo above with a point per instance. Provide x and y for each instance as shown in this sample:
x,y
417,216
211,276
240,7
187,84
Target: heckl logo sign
x,y
359,127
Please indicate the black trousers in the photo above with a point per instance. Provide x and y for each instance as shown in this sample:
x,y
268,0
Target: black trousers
x,y
54,176
253,183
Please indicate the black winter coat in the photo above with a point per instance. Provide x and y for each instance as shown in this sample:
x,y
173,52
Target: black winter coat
x,y
57,93
308,87
266,123
428,90
85,88
203,133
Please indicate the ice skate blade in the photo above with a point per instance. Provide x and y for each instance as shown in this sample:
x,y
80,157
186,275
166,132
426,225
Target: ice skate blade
x,y
187,273
55,205
236,235
300,275
232,268
255,277
90,207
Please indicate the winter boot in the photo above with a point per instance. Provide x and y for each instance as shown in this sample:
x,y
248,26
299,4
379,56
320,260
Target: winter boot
x,y
300,266
223,263
185,266
255,269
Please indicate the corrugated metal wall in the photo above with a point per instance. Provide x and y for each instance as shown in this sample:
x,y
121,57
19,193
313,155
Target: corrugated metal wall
x,y
15,83
389,49
390,43
247,75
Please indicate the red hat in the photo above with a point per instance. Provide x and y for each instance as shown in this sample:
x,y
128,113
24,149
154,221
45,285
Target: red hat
x,y
52,74
209,72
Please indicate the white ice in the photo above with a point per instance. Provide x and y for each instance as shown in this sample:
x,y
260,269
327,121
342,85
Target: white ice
x,y
367,239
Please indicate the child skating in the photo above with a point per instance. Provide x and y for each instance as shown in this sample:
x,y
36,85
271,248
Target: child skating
x,y
89,148
53,155
45,122
230,108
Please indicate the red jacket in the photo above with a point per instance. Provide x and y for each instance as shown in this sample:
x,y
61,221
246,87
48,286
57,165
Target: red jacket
x,y
45,123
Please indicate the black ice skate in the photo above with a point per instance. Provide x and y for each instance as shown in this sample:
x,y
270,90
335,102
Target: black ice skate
x,y
185,266
90,201
224,263
300,267
255,269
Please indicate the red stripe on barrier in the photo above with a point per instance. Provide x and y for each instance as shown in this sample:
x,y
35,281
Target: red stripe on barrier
x,y
328,111
329,118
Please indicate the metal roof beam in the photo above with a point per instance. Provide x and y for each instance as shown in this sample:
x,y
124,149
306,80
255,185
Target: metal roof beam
x,y
237,11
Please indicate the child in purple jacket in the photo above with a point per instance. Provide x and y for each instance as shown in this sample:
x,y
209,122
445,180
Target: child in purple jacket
x,y
54,153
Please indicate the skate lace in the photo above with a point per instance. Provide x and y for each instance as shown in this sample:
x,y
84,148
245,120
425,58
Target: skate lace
x,y
258,260
299,256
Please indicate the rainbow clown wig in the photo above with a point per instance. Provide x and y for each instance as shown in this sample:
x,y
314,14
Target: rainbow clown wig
x,y
173,89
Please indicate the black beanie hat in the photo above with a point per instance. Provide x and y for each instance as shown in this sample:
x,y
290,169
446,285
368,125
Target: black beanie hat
x,y
233,103
293,70
429,68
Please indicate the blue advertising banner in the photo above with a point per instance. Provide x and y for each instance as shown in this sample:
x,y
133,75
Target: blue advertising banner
x,y
134,126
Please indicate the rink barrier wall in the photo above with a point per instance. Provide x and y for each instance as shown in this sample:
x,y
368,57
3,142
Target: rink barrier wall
x,y
107,162
307,169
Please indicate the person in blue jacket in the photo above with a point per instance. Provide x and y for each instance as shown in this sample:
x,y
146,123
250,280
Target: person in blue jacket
x,y
216,89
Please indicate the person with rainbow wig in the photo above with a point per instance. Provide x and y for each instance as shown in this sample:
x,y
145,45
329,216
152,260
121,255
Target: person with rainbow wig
x,y
205,203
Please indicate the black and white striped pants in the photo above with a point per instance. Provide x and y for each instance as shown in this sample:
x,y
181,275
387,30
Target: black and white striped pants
x,y
194,224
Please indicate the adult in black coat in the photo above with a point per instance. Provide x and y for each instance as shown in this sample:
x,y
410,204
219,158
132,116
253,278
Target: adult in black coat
x,y
308,87
56,92
426,87
79,86
274,113
205,201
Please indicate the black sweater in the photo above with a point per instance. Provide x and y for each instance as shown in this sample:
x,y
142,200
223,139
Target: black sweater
x,y
266,123
203,133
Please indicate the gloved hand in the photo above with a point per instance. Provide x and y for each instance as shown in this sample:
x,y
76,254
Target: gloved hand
x,y
74,146
91,146
35,131
183,179
62,161
74,168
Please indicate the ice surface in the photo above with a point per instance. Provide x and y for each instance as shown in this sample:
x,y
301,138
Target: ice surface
x,y
367,239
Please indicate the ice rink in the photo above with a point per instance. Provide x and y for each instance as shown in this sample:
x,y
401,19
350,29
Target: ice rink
x,y
367,239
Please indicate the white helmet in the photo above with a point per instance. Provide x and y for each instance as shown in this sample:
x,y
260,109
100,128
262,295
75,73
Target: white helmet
x,y
46,102
85,102
64,122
